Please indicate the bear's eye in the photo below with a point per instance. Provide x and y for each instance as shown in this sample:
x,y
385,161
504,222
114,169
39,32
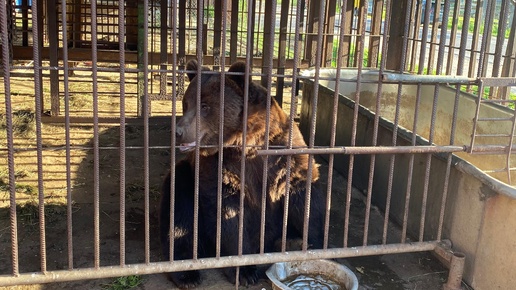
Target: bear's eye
x,y
205,109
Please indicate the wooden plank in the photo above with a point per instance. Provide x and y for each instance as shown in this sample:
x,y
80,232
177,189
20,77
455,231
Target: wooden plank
x,y
113,56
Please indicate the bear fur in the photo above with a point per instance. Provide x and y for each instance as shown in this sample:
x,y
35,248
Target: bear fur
x,y
184,183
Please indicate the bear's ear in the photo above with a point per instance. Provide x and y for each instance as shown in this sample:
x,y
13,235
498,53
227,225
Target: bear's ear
x,y
238,67
192,66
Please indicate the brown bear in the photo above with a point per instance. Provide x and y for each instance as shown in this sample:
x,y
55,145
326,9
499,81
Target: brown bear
x,y
277,181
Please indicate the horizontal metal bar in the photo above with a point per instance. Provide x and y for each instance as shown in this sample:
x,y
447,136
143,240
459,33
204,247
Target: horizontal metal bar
x,y
493,135
495,119
409,78
498,81
491,149
231,261
365,150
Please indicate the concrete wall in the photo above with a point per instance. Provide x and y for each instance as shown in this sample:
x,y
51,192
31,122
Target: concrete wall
x,y
480,218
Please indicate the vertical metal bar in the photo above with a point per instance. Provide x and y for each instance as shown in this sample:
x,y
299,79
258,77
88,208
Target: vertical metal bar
x,y
293,107
453,37
440,59
221,127
435,27
174,41
146,170
220,14
477,113
385,46
96,163
486,40
509,149
318,59
69,200
163,47
121,48
38,98
351,157
474,41
375,130
10,144
401,66
268,74
197,131
333,133
500,38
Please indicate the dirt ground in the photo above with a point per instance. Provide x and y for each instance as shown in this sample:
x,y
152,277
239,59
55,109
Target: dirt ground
x,y
404,271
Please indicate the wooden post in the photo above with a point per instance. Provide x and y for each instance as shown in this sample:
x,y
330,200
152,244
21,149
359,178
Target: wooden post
x,y
285,5
53,47
375,39
268,54
397,29
328,31
234,31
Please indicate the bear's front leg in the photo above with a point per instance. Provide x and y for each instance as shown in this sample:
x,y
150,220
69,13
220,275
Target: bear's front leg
x,y
248,275
182,232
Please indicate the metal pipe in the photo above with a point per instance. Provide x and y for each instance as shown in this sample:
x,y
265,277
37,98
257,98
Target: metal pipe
x,y
456,270
208,263
365,150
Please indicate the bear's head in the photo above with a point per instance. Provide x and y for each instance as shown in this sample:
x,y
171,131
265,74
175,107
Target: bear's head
x,y
207,111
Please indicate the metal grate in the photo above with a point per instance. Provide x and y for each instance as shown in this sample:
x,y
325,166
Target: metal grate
x,y
88,159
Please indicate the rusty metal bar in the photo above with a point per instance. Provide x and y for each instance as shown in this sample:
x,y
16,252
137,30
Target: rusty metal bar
x,y
267,69
174,41
402,66
198,86
385,44
475,39
221,128
146,112
311,138
427,79
209,263
363,17
355,150
39,108
292,114
10,144
121,48
333,134
69,200
96,160
456,270
453,37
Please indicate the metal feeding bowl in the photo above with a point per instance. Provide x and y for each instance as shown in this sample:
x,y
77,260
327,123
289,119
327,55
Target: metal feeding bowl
x,y
314,274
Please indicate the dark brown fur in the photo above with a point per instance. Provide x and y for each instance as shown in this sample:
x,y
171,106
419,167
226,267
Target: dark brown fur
x,y
277,181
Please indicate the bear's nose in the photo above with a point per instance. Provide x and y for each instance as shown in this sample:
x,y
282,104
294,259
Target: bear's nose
x,y
179,132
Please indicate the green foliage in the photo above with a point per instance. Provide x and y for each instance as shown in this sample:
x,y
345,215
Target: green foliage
x,y
471,26
122,283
